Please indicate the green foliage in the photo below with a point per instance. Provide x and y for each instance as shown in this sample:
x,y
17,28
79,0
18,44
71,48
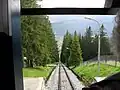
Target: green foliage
x,y
65,52
88,72
75,51
71,53
37,72
89,43
105,46
38,39
28,3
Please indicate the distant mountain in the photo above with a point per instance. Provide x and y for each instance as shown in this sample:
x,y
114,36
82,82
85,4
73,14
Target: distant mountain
x,y
80,26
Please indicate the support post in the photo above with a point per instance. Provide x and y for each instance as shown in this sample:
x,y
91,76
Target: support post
x,y
10,47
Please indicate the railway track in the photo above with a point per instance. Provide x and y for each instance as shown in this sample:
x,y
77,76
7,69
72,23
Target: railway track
x,y
65,82
61,80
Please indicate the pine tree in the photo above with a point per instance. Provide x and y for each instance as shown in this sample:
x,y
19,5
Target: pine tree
x,y
75,52
38,40
105,46
80,39
88,44
65,52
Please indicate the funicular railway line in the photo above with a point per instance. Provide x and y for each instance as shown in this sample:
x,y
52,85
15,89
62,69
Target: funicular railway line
x,y
62,79
65,82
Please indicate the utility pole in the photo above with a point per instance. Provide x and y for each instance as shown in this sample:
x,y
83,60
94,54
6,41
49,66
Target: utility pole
x,y
98,41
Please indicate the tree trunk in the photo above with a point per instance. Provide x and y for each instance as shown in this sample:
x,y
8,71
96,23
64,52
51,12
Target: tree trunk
x,y
27,63
31,63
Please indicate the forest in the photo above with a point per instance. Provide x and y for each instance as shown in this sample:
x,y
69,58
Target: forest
x,y
40,48
38,40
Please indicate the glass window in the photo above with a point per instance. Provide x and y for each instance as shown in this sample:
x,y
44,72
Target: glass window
x,y
45,37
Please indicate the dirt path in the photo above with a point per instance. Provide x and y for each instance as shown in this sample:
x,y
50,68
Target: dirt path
x,y
33,83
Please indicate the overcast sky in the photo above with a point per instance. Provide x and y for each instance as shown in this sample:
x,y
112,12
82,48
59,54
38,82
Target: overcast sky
x,y
99,18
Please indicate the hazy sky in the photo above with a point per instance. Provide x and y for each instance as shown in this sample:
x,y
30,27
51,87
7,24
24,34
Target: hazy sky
x,y
58,18
99,18
61,23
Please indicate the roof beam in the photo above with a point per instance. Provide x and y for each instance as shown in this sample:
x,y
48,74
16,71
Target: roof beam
x,y
66,11
113,11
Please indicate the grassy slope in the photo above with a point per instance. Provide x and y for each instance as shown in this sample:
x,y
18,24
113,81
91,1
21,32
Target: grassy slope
x,y
90,71
37,72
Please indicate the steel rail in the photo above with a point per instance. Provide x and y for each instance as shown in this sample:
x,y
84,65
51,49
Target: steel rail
x,y
68,77
59,79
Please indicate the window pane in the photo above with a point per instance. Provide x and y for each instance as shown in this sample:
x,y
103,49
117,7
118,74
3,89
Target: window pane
x,y
46,39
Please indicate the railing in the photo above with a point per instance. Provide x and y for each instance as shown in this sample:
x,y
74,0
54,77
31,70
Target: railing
x,y
105,59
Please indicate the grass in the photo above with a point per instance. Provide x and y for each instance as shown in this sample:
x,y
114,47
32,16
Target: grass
x,y
88,72
37,72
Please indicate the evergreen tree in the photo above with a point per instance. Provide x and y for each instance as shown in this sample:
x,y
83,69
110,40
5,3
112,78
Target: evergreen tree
x,y
105,46
65,52
38,40
80,40
75,51
88,44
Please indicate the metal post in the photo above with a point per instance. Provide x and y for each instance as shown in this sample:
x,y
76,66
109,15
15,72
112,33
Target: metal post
x,y
99,52
10,46
98,42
